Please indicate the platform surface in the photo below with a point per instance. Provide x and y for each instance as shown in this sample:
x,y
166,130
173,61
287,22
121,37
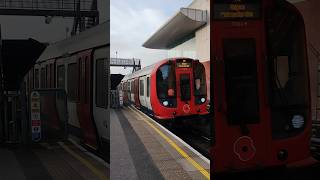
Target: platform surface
x,y
54,161
141,149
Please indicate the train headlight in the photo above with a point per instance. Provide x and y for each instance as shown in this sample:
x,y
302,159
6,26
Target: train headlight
x,y
297,121
165,103
203,100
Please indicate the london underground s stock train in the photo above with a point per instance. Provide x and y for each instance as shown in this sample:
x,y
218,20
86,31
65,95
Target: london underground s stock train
x,y
78,65
260,85
169,89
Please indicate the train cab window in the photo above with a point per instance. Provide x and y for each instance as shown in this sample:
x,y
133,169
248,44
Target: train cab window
x,y
148,86
101,83
166,85
61,77
72,80
200,90
141,87
43,78
288,74
36,79
241,81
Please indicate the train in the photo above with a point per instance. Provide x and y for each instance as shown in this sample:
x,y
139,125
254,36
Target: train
x,y
78,65
260,85
169,89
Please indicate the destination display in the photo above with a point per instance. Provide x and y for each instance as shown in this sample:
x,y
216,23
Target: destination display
x,y
236,9
184,64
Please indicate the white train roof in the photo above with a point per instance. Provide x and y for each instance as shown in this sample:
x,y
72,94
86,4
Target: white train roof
x,y
144,71
91,38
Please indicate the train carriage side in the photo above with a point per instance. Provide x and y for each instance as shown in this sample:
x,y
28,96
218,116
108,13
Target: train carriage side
x,y
100,98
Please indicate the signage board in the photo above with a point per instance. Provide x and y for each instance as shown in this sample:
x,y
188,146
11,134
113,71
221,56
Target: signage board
x,y
35,116
236,9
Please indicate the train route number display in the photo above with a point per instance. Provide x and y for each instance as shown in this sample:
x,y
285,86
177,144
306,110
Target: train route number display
x,y
35,116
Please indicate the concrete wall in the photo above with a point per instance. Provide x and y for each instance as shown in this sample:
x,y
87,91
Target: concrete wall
x,y
199,46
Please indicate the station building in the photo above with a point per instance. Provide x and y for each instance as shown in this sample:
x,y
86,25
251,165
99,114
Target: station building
x,y
187,34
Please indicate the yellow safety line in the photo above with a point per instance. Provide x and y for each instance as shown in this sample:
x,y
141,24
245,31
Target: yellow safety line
x,y
176,147
95,171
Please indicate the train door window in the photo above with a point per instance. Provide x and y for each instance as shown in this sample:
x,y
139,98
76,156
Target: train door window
x,y
241,81
31,79
141,87
86,80
52,76
47,83
148,86
61,77
101,83
200,90
36,78
43,78
72,80
185,90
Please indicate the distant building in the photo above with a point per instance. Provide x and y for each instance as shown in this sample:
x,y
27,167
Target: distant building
x,y
186,34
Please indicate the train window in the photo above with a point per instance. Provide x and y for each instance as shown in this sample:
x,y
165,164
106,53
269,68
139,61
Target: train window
x,y
52,76
200,90
241,81
141,87
72,80
61,77
101,83
148,86
288,74
36,78
166,85
43,78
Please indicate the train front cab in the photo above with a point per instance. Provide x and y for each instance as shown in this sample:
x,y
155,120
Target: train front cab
x,y
180,89
260,87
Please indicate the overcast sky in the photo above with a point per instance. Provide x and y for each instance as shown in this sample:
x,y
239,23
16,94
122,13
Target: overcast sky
x,y
133,22
22,27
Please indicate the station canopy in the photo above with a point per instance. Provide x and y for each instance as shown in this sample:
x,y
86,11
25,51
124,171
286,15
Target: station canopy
x,y
19,55
177,29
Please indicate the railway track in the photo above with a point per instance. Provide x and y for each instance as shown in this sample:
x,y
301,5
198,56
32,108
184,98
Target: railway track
x,y
197,135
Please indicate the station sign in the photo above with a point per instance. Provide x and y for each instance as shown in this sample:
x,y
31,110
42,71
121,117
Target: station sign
x,y
236,9
35,116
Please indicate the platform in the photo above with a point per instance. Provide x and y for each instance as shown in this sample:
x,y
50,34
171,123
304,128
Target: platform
x,y
142,149
54,161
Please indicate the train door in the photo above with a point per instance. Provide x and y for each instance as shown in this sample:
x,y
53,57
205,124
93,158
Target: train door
x,y
137,92
148,87
84,109
185,88
142,92
238,98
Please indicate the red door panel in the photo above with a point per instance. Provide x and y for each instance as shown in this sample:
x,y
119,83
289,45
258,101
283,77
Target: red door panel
x,y
83,107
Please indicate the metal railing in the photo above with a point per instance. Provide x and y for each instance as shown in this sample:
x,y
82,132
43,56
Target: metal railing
x,y
85,5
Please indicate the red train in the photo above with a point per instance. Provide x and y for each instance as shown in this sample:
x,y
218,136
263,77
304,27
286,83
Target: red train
x,y
77,65
261,92
168,89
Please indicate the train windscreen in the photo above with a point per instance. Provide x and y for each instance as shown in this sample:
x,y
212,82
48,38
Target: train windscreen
x,y
166,85
288,82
